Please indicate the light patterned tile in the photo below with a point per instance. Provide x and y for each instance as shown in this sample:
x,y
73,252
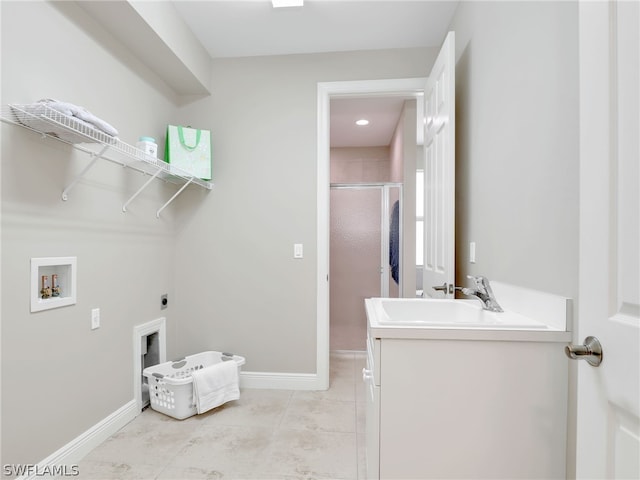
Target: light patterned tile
x,y
320,415
255,407
306,454
190,473
265,435
91,470
301,476
150,417
340,390
234,451
144,442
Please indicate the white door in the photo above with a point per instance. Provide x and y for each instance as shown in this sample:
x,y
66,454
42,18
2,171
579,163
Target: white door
x,y
439,174
608,433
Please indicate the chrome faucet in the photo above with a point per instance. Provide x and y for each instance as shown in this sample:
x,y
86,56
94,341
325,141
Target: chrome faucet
x,y
482,292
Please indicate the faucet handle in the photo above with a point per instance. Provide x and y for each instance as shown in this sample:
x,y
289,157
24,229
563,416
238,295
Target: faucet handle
x,y
484,292
481,282
477,280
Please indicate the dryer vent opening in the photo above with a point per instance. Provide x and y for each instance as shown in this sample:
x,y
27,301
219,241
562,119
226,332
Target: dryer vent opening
x,y
150,349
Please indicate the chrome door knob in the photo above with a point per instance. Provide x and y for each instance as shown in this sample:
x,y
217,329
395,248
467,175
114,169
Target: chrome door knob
x,y
591,351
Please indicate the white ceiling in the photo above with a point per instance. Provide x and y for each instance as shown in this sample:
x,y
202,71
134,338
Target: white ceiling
x,y
383,114
241,28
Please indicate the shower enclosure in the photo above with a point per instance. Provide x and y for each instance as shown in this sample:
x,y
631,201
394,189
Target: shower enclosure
x,y
365,256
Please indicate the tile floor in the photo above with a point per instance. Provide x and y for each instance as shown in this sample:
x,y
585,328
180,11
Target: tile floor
x,y
267,434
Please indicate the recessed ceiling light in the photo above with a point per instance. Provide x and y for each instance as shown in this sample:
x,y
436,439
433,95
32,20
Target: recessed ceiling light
x,y
287,3
362,122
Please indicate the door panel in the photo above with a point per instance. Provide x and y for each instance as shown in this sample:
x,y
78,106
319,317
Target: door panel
x,y
608,433
439,190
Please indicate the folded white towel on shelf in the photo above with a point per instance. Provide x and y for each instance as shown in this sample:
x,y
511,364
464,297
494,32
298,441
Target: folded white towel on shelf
x,y
72,110
36,116
215,385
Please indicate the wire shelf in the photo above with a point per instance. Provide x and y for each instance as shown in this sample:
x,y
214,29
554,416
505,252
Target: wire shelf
x,y
82,136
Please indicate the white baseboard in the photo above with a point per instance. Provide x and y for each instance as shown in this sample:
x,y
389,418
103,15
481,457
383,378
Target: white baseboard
x,y
280,381
75,450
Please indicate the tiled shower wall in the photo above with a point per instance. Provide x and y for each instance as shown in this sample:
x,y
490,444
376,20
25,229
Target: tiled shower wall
x,y
360,165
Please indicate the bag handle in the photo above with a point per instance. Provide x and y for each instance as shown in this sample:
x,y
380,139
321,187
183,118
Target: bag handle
x,y
182,142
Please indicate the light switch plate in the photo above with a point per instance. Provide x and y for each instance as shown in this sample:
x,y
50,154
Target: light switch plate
x,y
472,252
297,250
95,318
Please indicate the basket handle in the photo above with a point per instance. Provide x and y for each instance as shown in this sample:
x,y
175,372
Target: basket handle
x,y
179,363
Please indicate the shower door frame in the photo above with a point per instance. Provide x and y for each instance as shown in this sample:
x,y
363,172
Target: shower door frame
x,y
385,225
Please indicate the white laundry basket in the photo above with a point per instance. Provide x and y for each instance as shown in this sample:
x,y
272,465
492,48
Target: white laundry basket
x,y
171,384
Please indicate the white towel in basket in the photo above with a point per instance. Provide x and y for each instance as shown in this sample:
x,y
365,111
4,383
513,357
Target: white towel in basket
x,y
215,385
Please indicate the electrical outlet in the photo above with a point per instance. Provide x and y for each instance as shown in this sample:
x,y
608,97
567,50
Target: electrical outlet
x,y
95,318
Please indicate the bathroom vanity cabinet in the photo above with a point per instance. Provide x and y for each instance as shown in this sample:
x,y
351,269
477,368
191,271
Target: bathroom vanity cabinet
x,y
454,403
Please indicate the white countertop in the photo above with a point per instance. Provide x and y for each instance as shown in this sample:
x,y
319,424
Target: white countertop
x,y
536,317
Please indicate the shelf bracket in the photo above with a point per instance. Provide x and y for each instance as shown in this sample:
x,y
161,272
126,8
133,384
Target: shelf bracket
x,y
96,157
151,179
173,198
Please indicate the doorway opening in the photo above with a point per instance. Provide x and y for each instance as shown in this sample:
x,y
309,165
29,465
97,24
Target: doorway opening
x,y
412,87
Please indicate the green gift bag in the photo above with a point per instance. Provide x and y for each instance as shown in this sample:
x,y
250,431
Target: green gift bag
x,y
189,149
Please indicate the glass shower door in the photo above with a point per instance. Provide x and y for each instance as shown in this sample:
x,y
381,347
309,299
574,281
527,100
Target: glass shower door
x,y
362,257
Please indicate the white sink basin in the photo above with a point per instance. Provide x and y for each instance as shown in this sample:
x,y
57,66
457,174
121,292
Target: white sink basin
x,y
433,313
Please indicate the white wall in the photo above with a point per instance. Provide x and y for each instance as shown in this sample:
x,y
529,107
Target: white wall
x,y
517,143
238,286
59,378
